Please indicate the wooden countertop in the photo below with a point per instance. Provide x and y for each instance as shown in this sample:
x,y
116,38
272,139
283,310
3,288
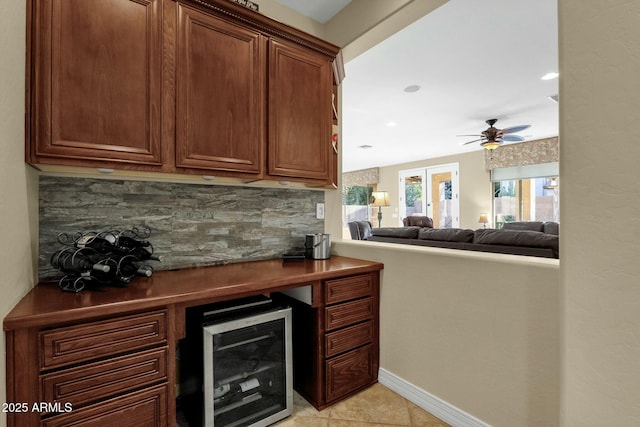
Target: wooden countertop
x,y
46,304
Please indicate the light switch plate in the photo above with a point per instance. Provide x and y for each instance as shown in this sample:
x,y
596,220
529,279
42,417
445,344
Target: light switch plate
x,y
319,210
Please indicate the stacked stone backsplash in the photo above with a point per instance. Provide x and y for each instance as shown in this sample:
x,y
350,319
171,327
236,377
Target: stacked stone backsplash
x,y
191,225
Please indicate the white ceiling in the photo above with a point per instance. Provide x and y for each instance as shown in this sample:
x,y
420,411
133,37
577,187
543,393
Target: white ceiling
x,y
473,60
320,10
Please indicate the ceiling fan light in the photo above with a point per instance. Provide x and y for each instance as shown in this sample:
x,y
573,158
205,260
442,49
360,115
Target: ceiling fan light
x,y
490,145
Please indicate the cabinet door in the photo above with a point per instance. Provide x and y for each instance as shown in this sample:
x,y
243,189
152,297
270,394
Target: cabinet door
x,y
220,94
350,372
300,112
96,81
144,408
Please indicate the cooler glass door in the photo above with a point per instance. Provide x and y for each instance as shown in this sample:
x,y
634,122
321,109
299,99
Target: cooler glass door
x,y
247,370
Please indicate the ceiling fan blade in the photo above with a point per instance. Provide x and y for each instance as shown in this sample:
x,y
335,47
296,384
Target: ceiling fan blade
x,y
471,142
514,129
513,138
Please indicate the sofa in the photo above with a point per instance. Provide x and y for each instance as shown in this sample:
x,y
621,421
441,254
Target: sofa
x,y
529,238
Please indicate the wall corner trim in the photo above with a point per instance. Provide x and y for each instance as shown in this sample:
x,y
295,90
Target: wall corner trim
x,y
430,403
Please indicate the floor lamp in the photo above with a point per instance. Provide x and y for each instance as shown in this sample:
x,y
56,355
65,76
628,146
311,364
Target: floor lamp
x,y
380,199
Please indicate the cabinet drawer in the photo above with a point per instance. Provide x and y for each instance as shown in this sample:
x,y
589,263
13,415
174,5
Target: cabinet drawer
x,y
349,372
145,408
346,339
348,288
104,338
100,380
348,313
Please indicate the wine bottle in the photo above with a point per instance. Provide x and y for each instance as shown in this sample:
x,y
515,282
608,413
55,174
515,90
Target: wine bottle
x,y
219,392
144,254
108,244
70,260
102,276
104,245
126,242
226,392
129,267
249,384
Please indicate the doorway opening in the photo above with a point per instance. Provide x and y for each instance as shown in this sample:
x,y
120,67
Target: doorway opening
x,y
432,192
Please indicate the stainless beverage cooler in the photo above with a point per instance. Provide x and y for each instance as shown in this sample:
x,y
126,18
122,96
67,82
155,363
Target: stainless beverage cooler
x,y
247,366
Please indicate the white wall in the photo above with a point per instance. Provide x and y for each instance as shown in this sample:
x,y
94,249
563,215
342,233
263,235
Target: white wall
x,y
475,187
477,330
600,208
18,182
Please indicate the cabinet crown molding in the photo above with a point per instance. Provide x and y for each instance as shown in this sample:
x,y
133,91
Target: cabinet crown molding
x,y
266,25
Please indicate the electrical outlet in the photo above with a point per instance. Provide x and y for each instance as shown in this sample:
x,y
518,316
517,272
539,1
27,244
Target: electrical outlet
x,y
319,210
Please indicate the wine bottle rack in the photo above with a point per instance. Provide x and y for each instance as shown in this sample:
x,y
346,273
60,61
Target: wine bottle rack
x,y
110,257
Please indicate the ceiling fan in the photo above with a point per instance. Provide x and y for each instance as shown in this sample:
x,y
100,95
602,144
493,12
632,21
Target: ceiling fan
x,y
492,138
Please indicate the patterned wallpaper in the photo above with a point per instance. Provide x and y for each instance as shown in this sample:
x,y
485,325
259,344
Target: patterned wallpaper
x,y
522,154
363,178
191,225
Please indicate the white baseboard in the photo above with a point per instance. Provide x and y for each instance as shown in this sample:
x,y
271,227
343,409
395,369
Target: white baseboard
x,y
430,403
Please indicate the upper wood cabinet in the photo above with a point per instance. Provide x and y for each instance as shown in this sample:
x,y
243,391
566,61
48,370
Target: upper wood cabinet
x,y
220,83
191,86
96,81
300,112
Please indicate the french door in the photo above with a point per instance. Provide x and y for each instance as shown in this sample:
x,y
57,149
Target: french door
x,y
443,196
412,196
432,191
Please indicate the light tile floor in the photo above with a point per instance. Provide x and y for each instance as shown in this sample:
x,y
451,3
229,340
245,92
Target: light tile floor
x,y
376,406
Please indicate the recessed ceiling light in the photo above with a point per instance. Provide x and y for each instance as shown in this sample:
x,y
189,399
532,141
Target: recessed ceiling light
x,y
550,76
392,124
412,88
365,146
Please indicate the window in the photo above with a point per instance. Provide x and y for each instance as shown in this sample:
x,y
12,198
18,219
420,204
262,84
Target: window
x,y
530,199
355,200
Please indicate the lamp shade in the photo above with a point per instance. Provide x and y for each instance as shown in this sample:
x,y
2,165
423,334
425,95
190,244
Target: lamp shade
x,y
380,198
483,218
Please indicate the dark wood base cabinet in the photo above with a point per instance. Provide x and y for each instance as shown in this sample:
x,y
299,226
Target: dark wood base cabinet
x,y
336,340
108,357
113,371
